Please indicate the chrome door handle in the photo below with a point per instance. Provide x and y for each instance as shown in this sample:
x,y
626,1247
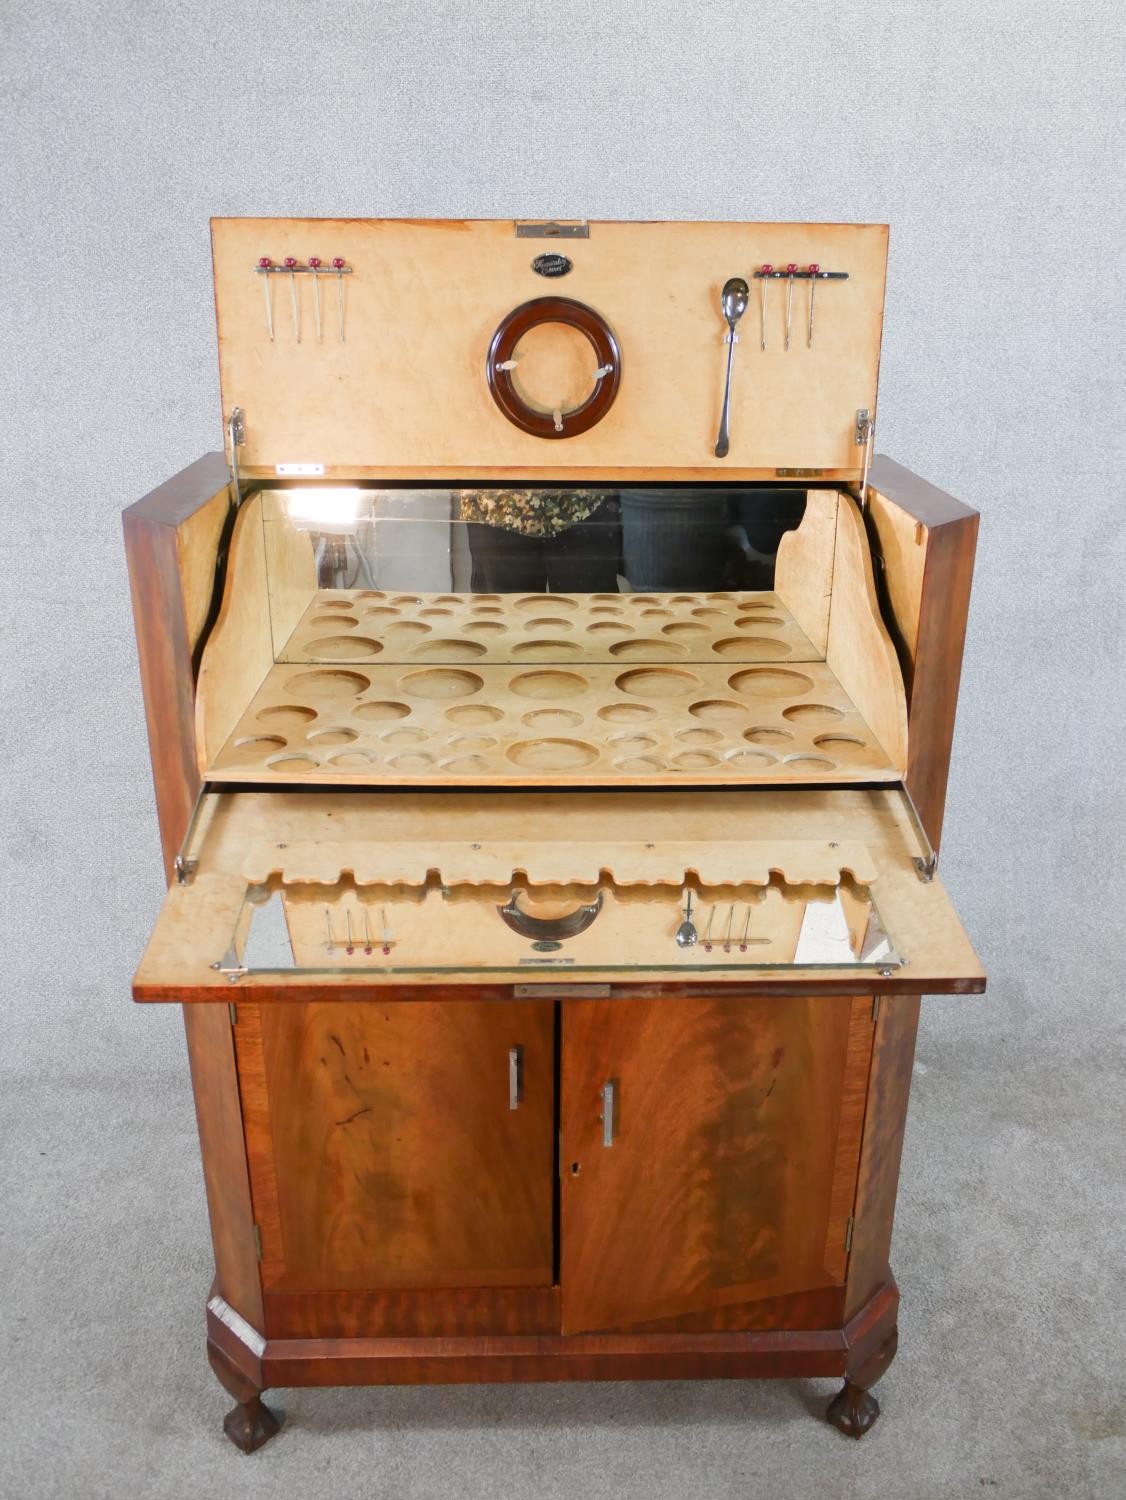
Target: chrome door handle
x,y
609,1111
515,1077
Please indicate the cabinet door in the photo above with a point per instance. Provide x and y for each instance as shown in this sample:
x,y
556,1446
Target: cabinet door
x,y
391,1145
731,1171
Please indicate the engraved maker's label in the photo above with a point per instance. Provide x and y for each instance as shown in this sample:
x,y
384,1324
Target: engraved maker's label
x,y
546,963
551,263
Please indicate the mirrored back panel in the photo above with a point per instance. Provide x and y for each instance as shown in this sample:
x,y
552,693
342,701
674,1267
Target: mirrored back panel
x,y
515,573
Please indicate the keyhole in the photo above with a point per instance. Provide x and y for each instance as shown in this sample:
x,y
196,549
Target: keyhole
x,y
575,1169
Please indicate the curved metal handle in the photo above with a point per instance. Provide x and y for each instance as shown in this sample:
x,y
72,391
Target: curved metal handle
x,y
541,928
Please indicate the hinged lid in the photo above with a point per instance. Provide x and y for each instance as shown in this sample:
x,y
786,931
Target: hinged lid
x,y
358,346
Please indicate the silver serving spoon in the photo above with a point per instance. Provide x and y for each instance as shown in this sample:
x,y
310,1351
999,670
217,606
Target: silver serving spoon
x,y
686,933
736,293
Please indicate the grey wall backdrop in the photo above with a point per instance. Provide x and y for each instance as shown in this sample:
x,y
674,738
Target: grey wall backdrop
x,y
989,135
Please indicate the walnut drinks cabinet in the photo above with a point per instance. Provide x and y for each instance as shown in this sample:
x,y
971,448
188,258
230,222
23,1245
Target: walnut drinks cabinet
x,y
550,806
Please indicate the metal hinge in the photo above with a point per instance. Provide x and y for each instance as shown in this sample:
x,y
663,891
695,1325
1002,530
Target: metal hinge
x,y
862,437
875,1009
236,434
232,1011
551,229
258,1241
848,1235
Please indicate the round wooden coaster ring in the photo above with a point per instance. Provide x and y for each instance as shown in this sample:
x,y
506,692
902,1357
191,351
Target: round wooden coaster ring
x,y
607,375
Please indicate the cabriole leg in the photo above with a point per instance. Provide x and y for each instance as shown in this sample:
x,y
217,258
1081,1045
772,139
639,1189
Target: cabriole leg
x,y
250,1423
853,1410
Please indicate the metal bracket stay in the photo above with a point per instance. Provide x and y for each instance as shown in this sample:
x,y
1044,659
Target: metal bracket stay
x,y
236,436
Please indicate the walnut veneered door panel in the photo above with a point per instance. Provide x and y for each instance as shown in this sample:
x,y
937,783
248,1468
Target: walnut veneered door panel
x,y
710,1152
400,1144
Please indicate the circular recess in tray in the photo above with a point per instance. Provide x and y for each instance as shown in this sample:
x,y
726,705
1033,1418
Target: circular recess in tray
x,y
811,762
447,599
685,629
766,734
640,598
486,598
548,685
344,647
607,609
379,712
626,713
351,760
407,629
407,735
332,736
371,594
699,736
441,682
552,755
710,614
546,650
812,713
695,760
433,610
656,613
406,599
380,611
632,742
487,609
464,743
550,719
770,682
842,742
647,650
287,716
485,627
252,747
752,622
448,650
720,709
751,648
466,765
292,760
604,598
548,623
545,601
413,760
640,765
657,682
682,598
336,622
609,627
757,604
750,760
334,683
474,713
344,603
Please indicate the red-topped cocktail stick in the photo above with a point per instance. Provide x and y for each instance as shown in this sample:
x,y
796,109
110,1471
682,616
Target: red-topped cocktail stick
x,y
338,267
264,264
790,271
813,270
290,263
765,274
314,267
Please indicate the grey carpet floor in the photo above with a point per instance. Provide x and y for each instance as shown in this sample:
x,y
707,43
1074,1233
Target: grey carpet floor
x,y
1010,1381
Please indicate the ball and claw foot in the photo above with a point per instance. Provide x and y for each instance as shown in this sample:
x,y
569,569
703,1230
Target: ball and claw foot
x,y
250,1424
852,1410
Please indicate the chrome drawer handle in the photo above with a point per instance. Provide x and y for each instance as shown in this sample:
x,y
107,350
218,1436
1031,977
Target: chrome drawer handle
x,y
515,1077
609,1111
